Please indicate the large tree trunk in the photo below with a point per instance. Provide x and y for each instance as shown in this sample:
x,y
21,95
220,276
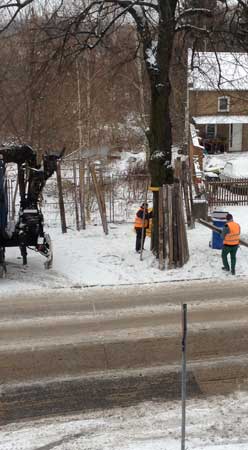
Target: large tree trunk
x,y
160,131
160,136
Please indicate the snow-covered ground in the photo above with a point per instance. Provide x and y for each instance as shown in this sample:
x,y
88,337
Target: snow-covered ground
x,y
216,423
91,258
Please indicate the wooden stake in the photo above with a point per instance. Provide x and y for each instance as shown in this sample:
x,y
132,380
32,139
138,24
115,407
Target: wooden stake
x,y
100,200
161,230
184,246
186,194
165,212
75,196
180,228
170,227
82,193
176,237
61,200
189,180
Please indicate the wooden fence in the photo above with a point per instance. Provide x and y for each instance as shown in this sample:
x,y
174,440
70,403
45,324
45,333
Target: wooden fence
x,y
226,192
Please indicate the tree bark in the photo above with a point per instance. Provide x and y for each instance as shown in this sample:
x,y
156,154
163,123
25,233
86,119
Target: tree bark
x,y
160,132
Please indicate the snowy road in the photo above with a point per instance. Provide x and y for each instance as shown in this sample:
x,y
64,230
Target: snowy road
x,y
109,340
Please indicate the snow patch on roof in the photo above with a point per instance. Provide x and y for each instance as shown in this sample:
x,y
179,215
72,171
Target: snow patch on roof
x,y
203,120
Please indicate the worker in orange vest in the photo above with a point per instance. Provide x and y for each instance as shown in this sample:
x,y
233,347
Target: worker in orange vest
x,y
231,238
141,222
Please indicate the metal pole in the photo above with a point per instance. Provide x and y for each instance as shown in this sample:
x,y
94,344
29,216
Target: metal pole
x,y
184,373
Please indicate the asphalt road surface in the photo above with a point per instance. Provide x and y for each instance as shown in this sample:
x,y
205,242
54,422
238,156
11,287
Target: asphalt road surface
x,y
80,349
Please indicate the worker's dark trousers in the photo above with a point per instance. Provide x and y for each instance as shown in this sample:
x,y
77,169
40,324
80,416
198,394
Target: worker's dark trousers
x,y
138,238
232,249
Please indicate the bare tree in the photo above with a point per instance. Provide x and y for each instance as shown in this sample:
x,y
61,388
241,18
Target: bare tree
x,y
90,23
39,90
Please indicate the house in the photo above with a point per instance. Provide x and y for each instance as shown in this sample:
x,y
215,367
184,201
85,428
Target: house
x,y
218,100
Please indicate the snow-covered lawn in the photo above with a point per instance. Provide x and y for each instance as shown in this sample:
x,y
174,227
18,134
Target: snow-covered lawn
x,y
90,258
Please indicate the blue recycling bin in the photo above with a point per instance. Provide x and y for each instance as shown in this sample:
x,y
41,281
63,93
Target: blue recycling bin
x,y
219,220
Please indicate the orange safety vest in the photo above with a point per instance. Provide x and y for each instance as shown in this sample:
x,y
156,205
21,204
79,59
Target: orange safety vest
x,y
233,237
138,223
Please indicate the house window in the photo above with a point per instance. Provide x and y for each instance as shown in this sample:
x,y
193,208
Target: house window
x,y
223,104
210,131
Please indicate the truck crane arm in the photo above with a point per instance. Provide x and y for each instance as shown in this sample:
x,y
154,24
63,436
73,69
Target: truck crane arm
x,y
28,229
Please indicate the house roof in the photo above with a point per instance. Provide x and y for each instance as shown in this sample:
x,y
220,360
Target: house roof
x,y
203,120
218,71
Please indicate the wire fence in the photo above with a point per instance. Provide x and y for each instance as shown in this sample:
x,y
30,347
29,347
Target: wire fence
x,y
122,195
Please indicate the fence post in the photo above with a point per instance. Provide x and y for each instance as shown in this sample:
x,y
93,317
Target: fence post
x,y
75,196
82,192
184,372
61,200
100,199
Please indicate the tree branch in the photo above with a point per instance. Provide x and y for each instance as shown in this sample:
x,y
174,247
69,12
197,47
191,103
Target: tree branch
x,y
194,12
